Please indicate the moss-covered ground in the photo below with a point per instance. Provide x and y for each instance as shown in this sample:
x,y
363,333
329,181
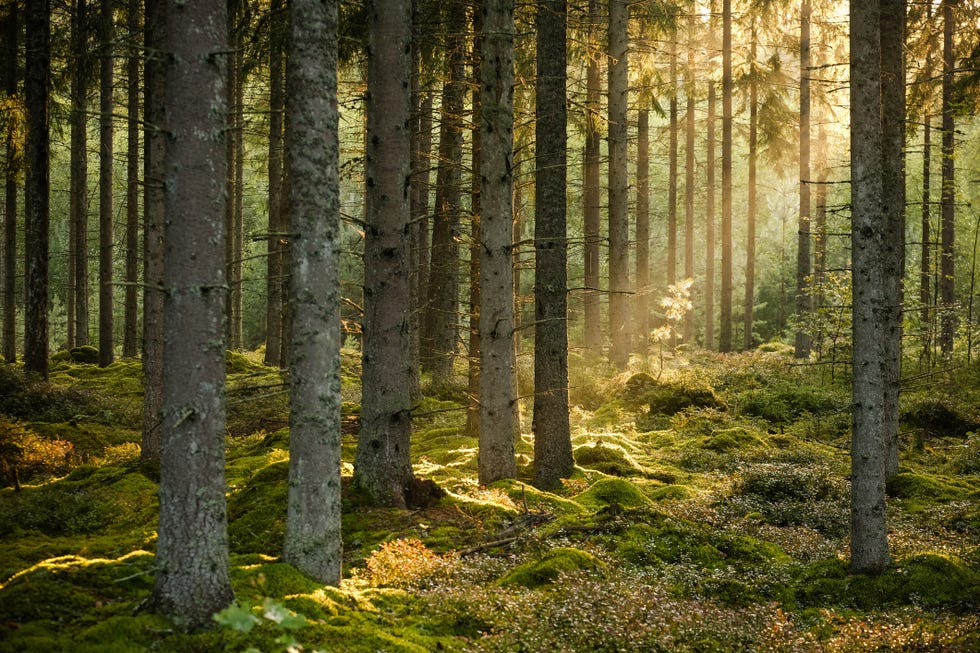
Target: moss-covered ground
x,y
708,512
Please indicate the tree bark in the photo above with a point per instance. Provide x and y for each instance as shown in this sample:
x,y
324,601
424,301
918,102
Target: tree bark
x,y
78,315
709,224
313,542
869,542
106,322
131,313
803,305
476,211
689,190
274,243
233,253
10,31
641,303
192,579
725,316
497,391
382,466
947,201
925,259
592,191
552,437
619,255
36,187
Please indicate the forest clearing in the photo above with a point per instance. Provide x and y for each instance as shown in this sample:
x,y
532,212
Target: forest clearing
x,y
708,511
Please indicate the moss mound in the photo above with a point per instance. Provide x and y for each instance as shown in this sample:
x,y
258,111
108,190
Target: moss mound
x,y
562,560
613,460
923,488
612,491
939,418
257,511
668,397
733,439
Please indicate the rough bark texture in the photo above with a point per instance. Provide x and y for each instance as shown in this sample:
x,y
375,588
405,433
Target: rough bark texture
x,y
106,353
709,225
748,305
131,314
313,542
382,466
274,263
803,306
947,201
592,191
672,153
552,439
78,185
869,543
641,302
192,579
36,187
925,257
441,318
497,392
689,189
233,144
10,31
476,210
725,312
619,253
154,149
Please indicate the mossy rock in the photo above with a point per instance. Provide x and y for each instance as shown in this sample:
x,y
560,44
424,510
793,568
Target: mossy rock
x,y
561,560
671,493
671,397
919,489
612,491
85,355
611,460
939,418
271,579
737,438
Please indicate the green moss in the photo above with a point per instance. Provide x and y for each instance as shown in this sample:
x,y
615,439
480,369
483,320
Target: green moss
x,y
271,579
747,549
607,459
257,511
733,439
609,491
671,493
921,489
562,560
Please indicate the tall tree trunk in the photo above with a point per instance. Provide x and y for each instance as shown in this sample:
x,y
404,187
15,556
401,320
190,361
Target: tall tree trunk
x,y
803,308
382,466
440,331
925,259
275,295
709,225
552,436
37,187
947,200
893,189
641,302
416,201
78,185
154,151
233,138
748,309
672,172
725,317
106,323
689,190
819,229
592,191
10,31
192,579
869,542
473,346
497,392
313,542
131,314
619,253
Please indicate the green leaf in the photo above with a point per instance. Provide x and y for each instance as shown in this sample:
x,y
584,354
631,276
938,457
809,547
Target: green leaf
x,y
237,617
280,614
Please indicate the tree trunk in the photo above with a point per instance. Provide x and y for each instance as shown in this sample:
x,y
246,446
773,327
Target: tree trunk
x,y
440,331
689,190
106,324
709,225
672,172
36,187
725,317
10,31
619,254
313,542
803,307
274,243
78,185
947,200
131,314
925,260
382,466
552,437
154,150
869,542
192,578
641,303
233,216
473,346
592,190
497,391
893,169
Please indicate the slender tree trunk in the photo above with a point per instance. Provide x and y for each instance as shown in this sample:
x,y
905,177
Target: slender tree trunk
x,y
497,392
689,190
131,314
592,192
416,200
313,542
192,579
709,225
748,310
672,172
947,200
233,252
641,302
441,319
10,32
106,323
925,260
37,187
423,210
893,169
154,151
473,348
619,254
802,344
869,542
725,317
552,436
819,230
78,183
274,265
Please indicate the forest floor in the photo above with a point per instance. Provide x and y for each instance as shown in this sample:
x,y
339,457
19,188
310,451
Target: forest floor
x,y
708,512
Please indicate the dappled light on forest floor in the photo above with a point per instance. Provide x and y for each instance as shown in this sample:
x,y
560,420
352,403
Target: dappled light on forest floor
x,y
707,511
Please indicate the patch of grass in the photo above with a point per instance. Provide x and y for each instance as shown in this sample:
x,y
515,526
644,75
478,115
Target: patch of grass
x,y
557,561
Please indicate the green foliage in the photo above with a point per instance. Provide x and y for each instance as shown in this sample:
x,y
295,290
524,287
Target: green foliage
x,y
612,491
558,561
938,417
